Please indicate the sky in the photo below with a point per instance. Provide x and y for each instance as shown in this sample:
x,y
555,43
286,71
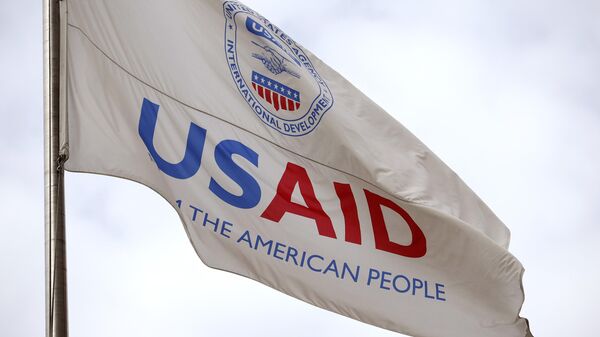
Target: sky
x,y
506,93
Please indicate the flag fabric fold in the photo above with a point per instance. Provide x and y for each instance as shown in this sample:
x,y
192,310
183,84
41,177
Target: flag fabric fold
x,y
281,170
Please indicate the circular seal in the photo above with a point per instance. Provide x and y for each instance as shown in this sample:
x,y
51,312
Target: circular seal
x,y
272,73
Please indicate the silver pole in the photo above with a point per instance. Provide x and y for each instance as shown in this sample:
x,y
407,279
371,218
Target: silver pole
x,y
56,262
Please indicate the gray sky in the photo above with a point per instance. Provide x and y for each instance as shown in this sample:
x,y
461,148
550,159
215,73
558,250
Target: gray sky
x,y
506,93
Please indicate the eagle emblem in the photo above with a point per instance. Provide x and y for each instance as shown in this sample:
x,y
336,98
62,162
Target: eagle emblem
x,y
273,74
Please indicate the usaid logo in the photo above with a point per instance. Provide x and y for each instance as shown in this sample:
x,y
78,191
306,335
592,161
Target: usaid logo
x,y
272,73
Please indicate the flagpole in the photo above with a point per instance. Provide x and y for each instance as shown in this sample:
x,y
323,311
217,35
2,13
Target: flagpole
x,y
55,252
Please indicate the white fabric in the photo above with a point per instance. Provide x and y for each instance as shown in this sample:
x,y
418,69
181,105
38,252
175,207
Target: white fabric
x,y
175,54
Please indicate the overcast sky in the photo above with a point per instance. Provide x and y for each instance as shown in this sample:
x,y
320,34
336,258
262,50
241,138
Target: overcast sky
x,y
505,92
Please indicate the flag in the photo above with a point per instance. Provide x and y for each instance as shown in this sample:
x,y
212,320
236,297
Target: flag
x,y
281,170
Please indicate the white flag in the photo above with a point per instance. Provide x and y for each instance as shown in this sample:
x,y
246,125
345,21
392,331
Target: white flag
x,y
281,170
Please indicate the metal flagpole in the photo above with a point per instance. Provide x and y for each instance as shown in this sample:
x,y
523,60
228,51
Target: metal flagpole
x,y
56,263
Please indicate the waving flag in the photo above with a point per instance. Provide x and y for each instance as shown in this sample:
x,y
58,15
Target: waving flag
x,y
281,170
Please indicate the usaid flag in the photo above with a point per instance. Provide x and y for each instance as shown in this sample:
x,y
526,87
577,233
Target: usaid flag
x,y
281,170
